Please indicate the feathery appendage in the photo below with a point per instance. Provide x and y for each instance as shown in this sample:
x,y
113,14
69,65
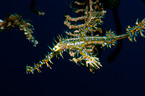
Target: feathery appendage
x,y
133,32
15,20
85,39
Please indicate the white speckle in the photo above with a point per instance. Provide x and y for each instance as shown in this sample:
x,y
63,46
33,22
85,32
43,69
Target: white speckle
x,y
1,20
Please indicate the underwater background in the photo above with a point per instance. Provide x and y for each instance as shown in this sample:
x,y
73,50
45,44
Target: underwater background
x,y
124,76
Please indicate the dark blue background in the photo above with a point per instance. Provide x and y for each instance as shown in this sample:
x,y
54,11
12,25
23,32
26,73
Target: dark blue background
x,y
125,76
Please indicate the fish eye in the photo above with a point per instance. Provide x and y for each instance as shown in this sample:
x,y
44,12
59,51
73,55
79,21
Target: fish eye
x,y
55,48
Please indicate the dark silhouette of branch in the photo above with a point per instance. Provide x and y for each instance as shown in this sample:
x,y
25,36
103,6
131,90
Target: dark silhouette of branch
x,y
32,8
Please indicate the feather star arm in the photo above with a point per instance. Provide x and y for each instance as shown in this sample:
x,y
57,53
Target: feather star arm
x,y
14,20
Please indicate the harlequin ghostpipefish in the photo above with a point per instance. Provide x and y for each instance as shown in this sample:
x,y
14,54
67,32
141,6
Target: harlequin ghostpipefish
x,y
86,37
